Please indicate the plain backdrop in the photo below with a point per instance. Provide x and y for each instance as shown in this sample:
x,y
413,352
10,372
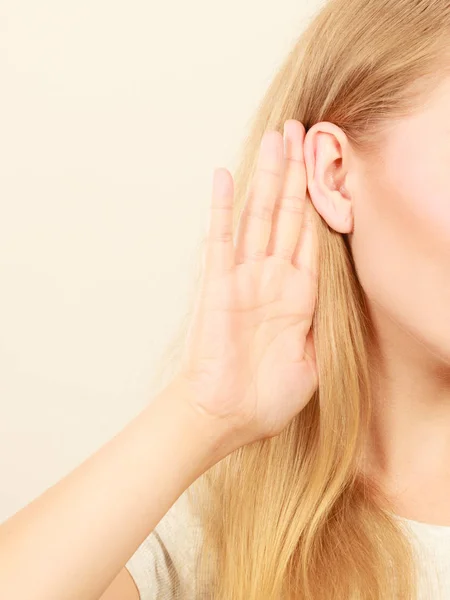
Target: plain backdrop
x,y
113,116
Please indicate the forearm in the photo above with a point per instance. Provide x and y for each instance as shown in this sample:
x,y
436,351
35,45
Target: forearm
x,y
71,541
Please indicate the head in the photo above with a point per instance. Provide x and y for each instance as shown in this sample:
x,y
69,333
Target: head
x,y
369,80
393,207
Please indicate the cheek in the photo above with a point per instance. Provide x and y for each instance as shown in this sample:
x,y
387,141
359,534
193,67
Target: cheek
x,y
401,242
418,182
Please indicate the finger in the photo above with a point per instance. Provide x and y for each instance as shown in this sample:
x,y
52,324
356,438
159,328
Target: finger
x,y
306,252
219,251
289,209
255,223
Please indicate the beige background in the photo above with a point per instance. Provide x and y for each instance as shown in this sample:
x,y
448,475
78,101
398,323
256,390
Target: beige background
x,y
113,118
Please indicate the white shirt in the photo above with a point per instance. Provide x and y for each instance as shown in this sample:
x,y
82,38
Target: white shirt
x,y
432,544
162,566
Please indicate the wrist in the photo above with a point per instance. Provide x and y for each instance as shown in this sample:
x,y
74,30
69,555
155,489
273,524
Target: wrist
x,y
212,438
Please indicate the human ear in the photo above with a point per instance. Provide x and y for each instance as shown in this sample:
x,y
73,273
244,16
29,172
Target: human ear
x,y
326,152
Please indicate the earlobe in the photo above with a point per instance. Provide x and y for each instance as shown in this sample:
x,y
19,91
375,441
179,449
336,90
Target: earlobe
x,y
324,148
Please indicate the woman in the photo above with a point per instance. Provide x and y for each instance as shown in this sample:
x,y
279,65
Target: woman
x,y
308,420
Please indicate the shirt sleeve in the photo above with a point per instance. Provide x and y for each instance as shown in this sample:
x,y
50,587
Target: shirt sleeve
x,y
163,567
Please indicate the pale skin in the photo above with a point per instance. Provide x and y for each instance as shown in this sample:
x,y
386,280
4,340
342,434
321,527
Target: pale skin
x,y
396,213
396,210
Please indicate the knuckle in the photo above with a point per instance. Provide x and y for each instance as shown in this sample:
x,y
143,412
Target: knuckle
x,y
256,255
308,220
271,172
299,161
221,236
294,204
261,212
283,253
221,207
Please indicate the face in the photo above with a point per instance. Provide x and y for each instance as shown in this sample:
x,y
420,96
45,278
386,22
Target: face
x,y
396,211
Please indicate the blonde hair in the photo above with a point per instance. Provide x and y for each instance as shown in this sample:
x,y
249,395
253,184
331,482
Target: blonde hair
x,y
295,516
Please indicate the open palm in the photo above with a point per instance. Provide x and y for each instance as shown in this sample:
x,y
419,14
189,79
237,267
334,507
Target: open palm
x,y
249,354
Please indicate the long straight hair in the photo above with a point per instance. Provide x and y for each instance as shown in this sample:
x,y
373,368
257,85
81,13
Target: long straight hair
x,y
295,516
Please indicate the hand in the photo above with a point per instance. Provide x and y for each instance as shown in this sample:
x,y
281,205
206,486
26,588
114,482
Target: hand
x,y
249,358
